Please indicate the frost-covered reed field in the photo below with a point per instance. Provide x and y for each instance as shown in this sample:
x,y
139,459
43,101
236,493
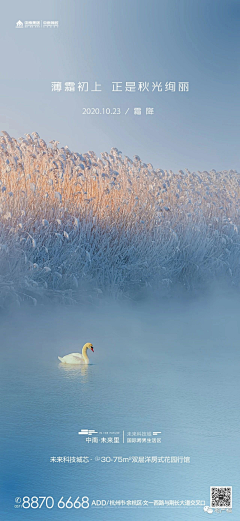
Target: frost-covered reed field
x,y
76,227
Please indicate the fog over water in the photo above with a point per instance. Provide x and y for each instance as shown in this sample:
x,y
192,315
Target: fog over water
x,y
171,367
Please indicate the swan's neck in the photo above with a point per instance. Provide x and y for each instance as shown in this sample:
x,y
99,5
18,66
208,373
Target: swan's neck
x,y
85,356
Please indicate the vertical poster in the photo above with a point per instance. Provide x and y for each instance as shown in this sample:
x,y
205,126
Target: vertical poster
x,y
119,260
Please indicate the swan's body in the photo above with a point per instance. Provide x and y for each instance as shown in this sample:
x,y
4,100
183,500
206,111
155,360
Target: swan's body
x,y
77,358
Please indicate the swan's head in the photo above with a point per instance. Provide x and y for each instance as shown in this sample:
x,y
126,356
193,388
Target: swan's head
x,y
89,346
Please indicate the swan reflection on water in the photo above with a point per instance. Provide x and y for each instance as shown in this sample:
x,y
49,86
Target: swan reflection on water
x,y
74,369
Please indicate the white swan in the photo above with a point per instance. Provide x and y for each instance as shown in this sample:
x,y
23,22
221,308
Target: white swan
x,y
77,358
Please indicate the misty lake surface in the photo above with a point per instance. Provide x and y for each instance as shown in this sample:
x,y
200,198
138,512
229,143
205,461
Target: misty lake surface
x,y
172,368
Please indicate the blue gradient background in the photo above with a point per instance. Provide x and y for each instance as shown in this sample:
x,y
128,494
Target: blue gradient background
x,y
140,40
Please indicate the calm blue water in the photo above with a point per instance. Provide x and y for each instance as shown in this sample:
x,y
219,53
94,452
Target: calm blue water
x,y
173,369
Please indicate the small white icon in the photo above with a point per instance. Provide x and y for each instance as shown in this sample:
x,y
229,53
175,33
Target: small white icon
x,y
156,433
19,25
87,432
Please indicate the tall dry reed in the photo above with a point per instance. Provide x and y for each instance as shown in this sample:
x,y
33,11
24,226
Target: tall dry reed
x,y
74,225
